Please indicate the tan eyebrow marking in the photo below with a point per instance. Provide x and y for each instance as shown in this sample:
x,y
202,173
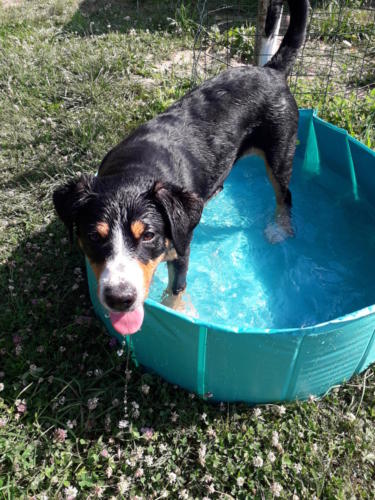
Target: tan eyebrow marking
x,y
103,229
137,227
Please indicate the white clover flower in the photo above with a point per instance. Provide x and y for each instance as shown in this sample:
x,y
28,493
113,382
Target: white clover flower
x,y
240,481
98,491
258,461
202,454
145,389
108,472
276,489
138,473
70,492
172,477
174,416
123,485
183,494
21,405
275,438
295,497
135,414
211,432
123,424
281,410
211,489
271,457
2,387
132,462
257,412
350,417
298,468
92,403
149,460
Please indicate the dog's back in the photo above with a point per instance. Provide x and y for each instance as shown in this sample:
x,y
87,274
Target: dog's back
x,y
195,142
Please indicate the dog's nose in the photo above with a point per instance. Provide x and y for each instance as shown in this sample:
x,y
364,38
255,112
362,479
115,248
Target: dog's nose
x,y
120,298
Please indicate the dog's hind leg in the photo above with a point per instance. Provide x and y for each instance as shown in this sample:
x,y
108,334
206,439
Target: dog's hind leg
x,y
279,171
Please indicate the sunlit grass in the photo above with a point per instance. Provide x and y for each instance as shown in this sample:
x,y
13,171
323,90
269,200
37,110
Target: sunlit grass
x,y
68,93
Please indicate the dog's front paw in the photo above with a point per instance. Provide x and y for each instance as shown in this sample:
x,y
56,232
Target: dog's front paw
x,y
180,302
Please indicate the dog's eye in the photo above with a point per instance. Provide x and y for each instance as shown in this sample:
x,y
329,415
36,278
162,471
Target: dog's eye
x,y
148,236
94,237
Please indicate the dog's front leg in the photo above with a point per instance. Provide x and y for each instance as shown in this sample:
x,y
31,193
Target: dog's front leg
x,y
177,271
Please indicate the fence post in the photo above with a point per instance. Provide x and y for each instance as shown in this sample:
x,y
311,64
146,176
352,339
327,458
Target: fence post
x,y
265,48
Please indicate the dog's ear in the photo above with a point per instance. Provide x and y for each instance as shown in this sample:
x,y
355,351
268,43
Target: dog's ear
x,y
70,197
183,210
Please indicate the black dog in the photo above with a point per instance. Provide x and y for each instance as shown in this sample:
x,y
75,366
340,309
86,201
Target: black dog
x,y
152,187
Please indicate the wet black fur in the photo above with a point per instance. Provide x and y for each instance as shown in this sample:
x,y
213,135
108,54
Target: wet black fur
x,y
168,168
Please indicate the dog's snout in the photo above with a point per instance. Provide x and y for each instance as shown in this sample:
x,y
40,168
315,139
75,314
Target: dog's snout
x,y
120,298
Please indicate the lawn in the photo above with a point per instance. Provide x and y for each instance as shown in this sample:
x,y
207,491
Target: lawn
x,y
73,81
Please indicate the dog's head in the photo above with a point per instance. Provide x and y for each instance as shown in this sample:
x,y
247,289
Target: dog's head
x,y
126,230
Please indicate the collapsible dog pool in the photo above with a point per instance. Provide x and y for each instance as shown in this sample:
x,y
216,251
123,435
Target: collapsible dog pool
x,y
273,322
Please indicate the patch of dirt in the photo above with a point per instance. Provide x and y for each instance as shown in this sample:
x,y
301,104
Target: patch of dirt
x,y
144,81
9,3
181,61
206,62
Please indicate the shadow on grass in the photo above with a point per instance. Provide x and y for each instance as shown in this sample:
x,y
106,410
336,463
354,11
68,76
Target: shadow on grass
x,y
58,357
95,17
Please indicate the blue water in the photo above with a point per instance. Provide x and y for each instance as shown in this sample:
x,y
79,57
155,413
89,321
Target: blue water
x,y
238,278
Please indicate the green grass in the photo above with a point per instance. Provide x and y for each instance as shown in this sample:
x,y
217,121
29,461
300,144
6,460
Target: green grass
x,y
68,93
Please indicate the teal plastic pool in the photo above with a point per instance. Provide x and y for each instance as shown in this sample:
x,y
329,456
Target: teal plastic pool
x,y
313,334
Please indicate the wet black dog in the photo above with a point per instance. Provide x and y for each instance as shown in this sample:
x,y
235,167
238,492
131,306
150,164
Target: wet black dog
x,y
152,187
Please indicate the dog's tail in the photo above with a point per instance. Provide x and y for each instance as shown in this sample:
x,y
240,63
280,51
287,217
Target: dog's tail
x,y
294,37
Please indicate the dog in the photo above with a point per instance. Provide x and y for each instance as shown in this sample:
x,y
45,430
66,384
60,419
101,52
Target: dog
x,y
142,207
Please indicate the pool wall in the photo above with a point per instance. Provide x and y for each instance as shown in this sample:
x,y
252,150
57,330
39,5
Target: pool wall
x,y
264,365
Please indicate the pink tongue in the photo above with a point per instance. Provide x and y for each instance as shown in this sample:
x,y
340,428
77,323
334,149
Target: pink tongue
x,y
128,322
